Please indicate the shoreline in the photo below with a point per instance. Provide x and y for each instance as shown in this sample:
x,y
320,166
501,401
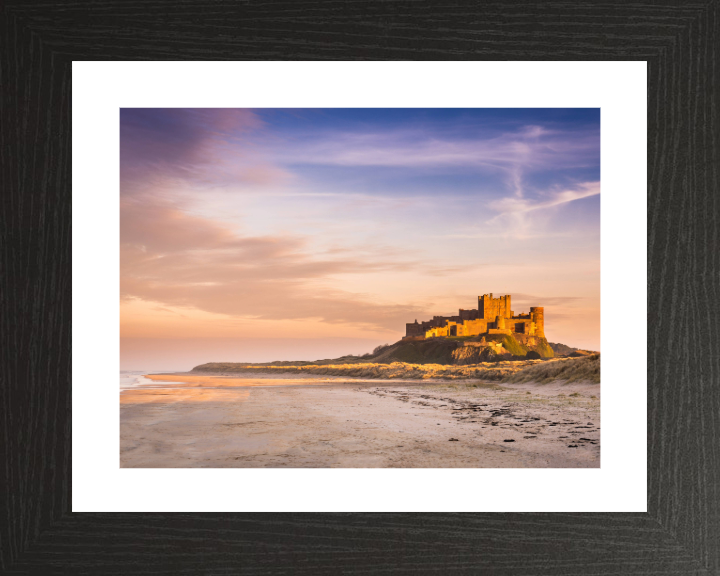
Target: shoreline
x,y
337,422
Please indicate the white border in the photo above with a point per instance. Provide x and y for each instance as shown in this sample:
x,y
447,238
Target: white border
x,y
101,88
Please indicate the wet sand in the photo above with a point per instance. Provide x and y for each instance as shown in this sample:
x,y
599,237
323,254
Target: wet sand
x,y
253,422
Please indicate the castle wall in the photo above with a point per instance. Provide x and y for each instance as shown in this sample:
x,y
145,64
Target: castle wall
x,y
522,325
468,314
455,329
499,331
438,332
414,329
475,327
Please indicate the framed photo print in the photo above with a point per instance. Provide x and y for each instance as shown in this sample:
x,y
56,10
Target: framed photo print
x,y
266,314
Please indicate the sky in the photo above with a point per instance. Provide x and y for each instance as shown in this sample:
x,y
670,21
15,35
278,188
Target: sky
x,y
300,234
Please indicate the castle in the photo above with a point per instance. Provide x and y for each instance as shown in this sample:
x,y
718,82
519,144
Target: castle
x,y
493,316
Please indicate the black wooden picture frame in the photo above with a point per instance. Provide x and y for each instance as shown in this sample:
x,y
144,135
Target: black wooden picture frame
x,y
680,533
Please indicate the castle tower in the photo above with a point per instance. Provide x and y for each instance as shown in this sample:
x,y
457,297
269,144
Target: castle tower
x,y
489,307
537,315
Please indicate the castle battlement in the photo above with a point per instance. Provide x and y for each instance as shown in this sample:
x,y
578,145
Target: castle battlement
x,y
493,316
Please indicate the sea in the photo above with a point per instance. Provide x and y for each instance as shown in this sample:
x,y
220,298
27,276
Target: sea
x,y
130,379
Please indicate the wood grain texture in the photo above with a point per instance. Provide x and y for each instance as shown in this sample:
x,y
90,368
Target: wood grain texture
x,y
681,531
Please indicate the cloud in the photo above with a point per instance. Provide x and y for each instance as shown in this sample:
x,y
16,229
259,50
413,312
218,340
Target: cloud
x,y
513,234
513,205
161,309
176,136
531,147
521,218
181,260
531,300
207,146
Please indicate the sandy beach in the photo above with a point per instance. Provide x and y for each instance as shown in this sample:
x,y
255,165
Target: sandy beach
x,y
254,421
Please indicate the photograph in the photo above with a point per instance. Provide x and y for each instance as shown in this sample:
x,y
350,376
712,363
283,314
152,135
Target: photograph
x,y
360,288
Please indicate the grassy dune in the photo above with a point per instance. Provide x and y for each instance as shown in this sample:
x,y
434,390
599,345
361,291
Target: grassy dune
x,y
570,369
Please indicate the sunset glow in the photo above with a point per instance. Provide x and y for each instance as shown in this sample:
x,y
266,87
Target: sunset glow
x,y
258,235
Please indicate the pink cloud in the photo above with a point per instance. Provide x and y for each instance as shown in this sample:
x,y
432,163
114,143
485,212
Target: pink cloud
x,y
178,259
203,145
